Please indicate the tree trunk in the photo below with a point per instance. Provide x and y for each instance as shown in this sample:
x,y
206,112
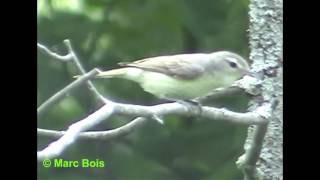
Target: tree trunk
x,y
266,17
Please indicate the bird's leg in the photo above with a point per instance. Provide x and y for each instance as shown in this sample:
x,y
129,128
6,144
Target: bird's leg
x,y
192,106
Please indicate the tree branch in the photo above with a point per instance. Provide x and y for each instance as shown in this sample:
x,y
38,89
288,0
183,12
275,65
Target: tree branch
x,y
71,56
72,134
80,67
67,57
248,161
59,95
179,109
247,84
102,135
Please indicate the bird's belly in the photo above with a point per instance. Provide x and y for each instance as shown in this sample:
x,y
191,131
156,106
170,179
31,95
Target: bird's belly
x,y
168,87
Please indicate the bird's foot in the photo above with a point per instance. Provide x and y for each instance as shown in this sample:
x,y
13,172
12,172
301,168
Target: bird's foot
x,y
193,107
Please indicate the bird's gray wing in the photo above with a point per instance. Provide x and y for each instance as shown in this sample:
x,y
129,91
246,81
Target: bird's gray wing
x,y
176,66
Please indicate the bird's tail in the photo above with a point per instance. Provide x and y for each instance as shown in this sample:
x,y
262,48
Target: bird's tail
x,y
110,74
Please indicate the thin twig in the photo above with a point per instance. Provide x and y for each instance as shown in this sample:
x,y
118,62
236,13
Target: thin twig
x,y
67,57
247,84
247,162
80,67
70,56
220,92
102,135
59,95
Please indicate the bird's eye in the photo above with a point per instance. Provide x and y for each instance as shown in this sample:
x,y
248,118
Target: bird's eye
x,y
233,64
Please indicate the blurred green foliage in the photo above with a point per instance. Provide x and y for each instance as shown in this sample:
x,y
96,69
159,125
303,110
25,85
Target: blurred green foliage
x,y
104,32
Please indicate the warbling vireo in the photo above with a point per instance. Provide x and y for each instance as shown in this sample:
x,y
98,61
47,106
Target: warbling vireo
x,y
184,76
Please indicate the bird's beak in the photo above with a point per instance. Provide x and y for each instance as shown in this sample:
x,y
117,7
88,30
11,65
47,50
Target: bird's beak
x,y
245,72
248,73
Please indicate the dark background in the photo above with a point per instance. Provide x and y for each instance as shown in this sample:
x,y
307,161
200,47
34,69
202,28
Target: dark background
x,y
104,32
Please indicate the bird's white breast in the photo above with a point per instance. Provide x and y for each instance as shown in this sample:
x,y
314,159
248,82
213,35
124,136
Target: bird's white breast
x,y
169,87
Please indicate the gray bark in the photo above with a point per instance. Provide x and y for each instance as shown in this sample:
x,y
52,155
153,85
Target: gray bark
x,y
266,17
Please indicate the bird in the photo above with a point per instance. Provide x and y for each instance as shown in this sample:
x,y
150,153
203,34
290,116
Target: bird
x,y
182,76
